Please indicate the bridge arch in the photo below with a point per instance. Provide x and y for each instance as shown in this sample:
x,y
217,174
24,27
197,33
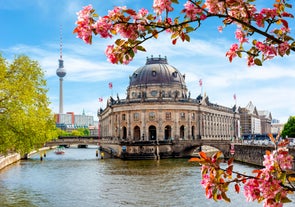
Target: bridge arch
x,y
220,145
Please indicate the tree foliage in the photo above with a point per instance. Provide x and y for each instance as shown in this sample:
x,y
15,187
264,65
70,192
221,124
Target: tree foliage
x,y
289,128
26,122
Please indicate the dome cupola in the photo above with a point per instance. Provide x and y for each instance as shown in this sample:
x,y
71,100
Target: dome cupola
x,y
157,79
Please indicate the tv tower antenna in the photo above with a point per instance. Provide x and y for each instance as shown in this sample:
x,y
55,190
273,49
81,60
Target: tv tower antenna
x,y
60,72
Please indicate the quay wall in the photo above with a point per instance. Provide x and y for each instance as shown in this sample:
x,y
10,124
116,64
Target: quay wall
x,y
9,159
254,154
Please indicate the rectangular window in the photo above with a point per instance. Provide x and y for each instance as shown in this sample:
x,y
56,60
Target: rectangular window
x,y
182,115
136,116
168,115
124,117
193,116
152,116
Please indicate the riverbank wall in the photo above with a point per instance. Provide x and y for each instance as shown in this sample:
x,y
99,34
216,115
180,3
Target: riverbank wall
x,y
254,155
9,159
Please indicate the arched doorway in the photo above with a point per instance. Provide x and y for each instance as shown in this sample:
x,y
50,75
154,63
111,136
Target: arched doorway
x,y
124,129
181,132
167,132
193,132
152,133
136,133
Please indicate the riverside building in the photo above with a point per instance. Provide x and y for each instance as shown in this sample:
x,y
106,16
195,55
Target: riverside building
x,y
158,107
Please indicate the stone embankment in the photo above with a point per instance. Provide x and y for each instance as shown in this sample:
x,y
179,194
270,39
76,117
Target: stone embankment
x,y
14,157
9,159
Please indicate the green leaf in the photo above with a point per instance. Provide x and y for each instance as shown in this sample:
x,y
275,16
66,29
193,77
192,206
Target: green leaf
x,y
224,197
257,62
189,29
119,42
141,48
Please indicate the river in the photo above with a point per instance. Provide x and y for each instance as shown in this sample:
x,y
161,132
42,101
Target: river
x,y
78,178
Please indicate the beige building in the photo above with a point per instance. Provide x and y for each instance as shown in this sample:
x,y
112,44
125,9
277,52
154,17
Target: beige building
x,y
158,107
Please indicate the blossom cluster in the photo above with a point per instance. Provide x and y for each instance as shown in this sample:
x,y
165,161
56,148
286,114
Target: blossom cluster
x,y
268,185
136,27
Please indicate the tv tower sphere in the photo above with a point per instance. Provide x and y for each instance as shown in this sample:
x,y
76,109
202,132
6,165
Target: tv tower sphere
x,y
61,72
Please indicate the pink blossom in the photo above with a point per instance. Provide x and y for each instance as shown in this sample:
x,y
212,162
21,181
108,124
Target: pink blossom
x,y
214,6
141,13
259,20
207,184
284,159
283,48
127,30
232,53
110,54
191,10
103,26
162,5
117,11
84,27
240,36
250,61
268,161
251,190
220,29
269,51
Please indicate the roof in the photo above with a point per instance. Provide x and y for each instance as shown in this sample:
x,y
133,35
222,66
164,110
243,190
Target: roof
x,y
157,71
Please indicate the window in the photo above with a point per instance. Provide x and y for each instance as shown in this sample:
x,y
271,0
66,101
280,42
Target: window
x,y
123,117
182,115
154,93
168,115
136,116
193,116
154,73
152,116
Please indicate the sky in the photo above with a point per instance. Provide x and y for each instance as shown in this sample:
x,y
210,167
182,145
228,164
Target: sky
x,y
33,28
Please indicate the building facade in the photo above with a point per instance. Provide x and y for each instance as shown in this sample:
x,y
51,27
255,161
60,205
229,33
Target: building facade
x,y
158,107
71,121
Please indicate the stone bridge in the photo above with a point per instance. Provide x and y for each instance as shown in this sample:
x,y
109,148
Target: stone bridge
x,y
248,153
143,149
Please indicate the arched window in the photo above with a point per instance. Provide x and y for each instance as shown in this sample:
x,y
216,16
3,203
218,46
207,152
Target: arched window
x,y
167,132
124,129
193,132
136,133
181,132
152,133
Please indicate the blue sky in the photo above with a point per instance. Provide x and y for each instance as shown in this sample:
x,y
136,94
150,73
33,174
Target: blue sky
x,y
32,28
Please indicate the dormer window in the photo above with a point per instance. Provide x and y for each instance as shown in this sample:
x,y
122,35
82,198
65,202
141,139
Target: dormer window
x,y
135,75
174,74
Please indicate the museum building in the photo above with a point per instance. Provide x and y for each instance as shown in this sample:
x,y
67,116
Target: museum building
x,y
159,107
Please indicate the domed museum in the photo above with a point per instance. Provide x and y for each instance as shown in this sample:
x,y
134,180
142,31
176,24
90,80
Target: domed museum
x,y
158,107
158,116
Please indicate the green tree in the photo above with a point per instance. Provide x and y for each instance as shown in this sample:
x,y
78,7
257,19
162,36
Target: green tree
x,y
77,132
26,122
289,128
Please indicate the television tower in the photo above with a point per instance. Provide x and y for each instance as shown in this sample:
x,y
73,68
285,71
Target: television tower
x,y
60,72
